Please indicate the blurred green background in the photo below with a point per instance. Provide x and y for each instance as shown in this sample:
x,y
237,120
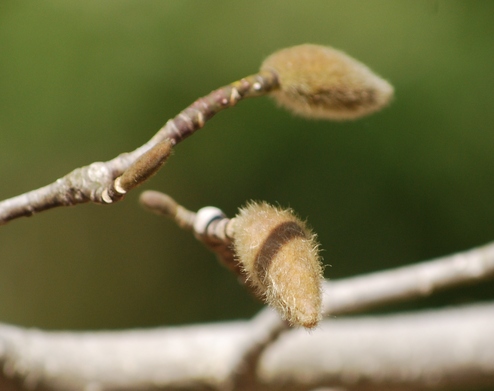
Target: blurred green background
x,y
82,81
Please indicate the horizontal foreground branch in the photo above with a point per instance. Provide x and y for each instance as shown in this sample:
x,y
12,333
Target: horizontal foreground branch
x,y
429,350
449,348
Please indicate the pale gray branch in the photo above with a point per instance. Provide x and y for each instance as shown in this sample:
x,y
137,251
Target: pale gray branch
x,y
409,282
451,348
442,349
430,350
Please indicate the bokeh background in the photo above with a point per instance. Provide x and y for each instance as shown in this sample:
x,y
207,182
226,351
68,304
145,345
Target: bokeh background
x,y
82,81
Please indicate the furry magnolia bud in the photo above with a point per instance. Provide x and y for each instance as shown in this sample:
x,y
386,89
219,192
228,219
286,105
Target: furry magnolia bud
x,y
322,82
279,256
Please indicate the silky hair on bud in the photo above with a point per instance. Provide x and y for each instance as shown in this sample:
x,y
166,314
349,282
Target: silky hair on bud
x,y
322,82
279,256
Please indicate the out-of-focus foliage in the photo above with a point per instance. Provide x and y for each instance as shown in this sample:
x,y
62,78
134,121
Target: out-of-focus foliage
x,y
84,81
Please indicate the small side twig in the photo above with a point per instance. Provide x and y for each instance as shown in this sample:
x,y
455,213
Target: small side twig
x,y
268,247
209,225
358,293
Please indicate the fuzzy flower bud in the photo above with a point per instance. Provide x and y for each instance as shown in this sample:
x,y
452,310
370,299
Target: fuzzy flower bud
x,y
322,82
279,256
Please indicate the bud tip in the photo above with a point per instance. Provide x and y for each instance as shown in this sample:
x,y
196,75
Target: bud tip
x,y
325,83
279,255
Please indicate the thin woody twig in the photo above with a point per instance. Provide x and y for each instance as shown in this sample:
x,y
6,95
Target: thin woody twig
x,y
315,81
95,183
209,225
